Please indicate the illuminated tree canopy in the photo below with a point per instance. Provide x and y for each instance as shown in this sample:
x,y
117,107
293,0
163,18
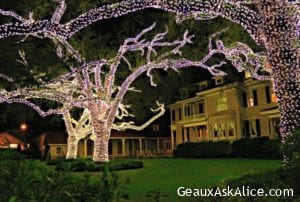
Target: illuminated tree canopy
x,y
93,88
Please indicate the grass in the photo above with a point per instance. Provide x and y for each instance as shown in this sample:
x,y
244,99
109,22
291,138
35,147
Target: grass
x,y
169,174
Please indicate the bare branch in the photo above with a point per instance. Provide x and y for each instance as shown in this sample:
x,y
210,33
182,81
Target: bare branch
x,y
22,59
123,112
14,15
59,12
130,125
7,78
244,59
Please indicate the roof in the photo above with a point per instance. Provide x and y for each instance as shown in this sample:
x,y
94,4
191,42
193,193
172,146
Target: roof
x,y
57,137
115,133
60,137
269,109
6,138
21,135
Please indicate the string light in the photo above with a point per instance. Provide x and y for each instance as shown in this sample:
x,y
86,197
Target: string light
x,y
102,110
275,24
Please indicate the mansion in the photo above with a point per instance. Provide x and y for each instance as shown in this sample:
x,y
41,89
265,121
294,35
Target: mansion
x,y
222,111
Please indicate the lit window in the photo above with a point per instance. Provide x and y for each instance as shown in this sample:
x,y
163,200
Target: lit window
x,y
250,102
231,129
274,97
215,130
222,130
254,127
221,103
199,132
58,150
202,131
253,131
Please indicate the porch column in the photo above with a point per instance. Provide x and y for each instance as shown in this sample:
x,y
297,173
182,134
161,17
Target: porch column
x,y
141,146
123,147
133,149
158,146
85,147
146,146
172,140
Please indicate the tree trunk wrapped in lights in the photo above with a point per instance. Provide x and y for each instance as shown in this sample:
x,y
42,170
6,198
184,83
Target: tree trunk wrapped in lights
x,y
272,23
280,29
76,130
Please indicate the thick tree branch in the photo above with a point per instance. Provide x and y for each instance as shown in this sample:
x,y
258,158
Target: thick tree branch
x,y
231,10
28,103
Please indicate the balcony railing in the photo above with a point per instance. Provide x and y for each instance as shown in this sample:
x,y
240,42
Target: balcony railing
x,y
194,116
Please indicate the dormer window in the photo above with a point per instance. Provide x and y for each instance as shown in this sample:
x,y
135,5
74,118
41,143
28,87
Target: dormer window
x,y
184,93
218,80
203,85
247,75
155,128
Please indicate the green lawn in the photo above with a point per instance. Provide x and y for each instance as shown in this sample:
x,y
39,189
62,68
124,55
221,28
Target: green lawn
x,y
169,174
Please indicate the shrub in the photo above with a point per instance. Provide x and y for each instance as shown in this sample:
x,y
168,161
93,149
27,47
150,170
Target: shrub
x,y
32,180
156,194
271,149
203,149
54,162
11,155
260,147
279,179
291,150
187,150
125,164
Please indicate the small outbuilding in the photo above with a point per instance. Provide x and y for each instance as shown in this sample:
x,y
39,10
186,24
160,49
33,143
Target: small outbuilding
x,y
9,141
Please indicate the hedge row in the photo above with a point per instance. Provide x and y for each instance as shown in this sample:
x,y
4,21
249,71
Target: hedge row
x,y
81,165
203,149
261,147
